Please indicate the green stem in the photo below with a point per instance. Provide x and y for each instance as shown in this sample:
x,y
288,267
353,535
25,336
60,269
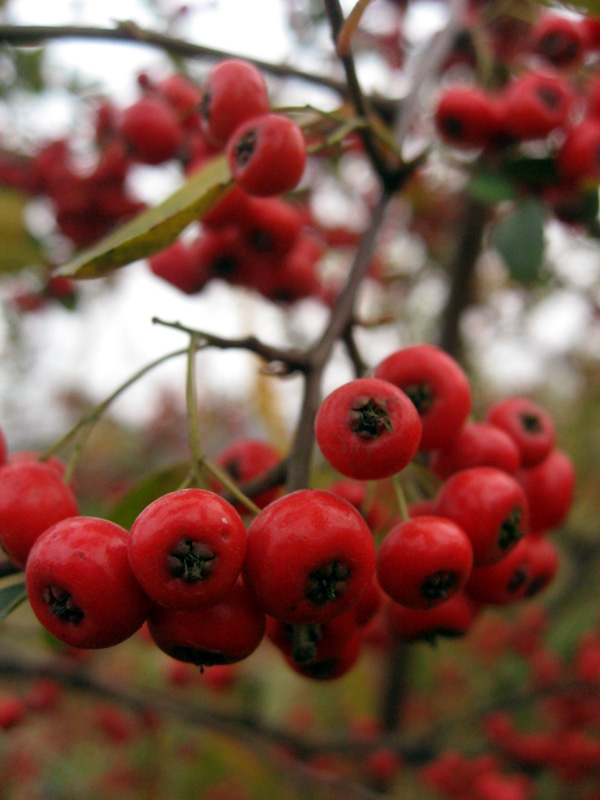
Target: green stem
x,y
199,461
400,497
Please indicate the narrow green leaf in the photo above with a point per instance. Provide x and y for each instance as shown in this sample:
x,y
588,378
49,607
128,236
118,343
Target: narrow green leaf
x,y
519,240
10,598
155,228
19,249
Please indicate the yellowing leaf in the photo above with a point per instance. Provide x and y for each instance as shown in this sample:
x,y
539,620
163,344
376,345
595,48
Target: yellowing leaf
x,y
18,249
155,228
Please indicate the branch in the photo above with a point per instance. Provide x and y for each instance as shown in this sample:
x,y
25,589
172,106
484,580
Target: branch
x,y
292,360
130,33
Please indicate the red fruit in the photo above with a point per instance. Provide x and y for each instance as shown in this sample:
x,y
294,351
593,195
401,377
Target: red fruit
x,y
313,642
331,668
219,254
467,117
228,630
231,209
114,723
178,265
270,227
186,549
296,276
12,711
437,386
578,158
559,40
368,429
80,585
310,557
424,561
477,444
503,582
181,94
246,460
490,506
544,561
234,92
452,618
33,496
534,105
266,155
369,604
549,488
529,426
152,130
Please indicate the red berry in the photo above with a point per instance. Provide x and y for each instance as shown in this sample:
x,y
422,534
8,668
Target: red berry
x,y
266,155
13,710
181,94
559,40
81,586
233,92
503,582
490,506
534,105
152,130
187,548
228,630
33,496
368,429
310,557
477,444
437,386
424,561
245,460
451,618
544,561
270,227
529,426
178,265
312,642
578,158
549,487
334,667
466,116
371,509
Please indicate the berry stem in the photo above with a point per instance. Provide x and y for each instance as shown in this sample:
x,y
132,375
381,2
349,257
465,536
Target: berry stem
x,y
400,497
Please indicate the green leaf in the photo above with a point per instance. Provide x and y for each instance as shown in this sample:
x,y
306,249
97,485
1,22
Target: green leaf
x,y
155,228
490,187
519,240
144,492
19,249
10,598
531,172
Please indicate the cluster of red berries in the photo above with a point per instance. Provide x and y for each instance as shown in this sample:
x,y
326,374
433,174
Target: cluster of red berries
x,y
549,92
504,485
307,570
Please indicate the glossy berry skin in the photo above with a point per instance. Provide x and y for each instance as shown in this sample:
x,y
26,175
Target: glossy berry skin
x,y
504,582
267,155
424,561
178,266
529,426
227,631
534,105
310,557
453,618
466,116
81,586
152,130
368,429
490,506
33,496
187,548
245,460
549,487
437,386
233,92
477,444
